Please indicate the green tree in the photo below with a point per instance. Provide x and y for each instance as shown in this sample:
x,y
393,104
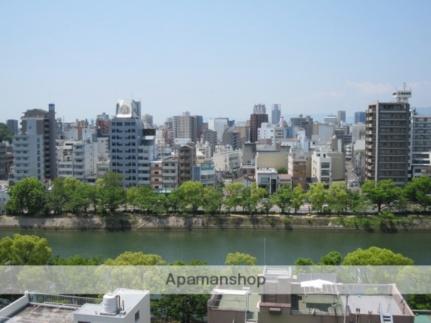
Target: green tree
x,y
332,258
383,192
136,259
180,308
282,170
24,250
355,201
144,198
304,262
419,191
212,200
77,261
240,259
283,198
338,197
28,196
234,193
298,197
110,192
317,196
252,197
57,196
376,256
191,196
5,134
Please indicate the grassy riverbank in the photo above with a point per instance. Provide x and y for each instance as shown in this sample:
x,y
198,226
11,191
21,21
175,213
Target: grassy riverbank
x,y
129,221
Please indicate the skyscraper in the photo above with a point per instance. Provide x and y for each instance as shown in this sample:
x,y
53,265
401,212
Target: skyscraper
x,y
256,119
276,114
132,149
387,139
35,147
341,116
12,125
360,117
187,128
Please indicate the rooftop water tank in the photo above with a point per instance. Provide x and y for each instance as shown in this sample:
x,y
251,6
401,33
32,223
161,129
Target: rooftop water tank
x,y
110,304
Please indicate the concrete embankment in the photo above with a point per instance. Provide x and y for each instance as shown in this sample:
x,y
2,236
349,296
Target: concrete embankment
x,y
273,222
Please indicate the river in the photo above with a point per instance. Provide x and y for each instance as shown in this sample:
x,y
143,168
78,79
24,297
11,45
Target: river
x,y
282,247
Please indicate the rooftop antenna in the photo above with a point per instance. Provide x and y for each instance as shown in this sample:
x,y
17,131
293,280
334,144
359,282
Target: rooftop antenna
x,y
403,96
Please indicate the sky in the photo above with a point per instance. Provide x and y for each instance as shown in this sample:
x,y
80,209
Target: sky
x,y
214,58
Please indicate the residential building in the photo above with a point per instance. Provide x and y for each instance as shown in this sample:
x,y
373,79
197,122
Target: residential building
x,y
232,137
276,114
227,160
6,160
271,157
388,138
308,299
120,306
305,123
12,125
358,159
271,133
267,178
205,173
360,117
156,175
34,147
258,117
327,166
297,167
132,146
103,125
187,128
186,160
219,125
4,197
421,145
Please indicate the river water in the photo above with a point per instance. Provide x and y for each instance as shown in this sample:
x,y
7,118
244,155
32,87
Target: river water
x,y
270,247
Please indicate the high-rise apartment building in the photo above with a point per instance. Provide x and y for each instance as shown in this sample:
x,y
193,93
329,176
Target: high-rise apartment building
x,y
103,125
187,128
35,147
387,139
132,149
421,145
186,160
258,117
276,114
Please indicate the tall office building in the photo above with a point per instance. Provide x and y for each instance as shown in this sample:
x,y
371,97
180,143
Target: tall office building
x,y
421,145
12,125
276,114
360,117
219,125
258,117
341,116
132,148
303,122
187,128
35,147
387,139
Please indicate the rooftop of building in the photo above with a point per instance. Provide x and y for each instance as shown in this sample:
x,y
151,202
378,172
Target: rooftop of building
x,y
42,314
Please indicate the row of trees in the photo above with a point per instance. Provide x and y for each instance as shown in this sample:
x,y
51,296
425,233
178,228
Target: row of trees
x,y
68,195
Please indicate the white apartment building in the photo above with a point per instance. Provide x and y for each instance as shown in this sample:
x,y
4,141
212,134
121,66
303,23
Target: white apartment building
x,y
121,306
268,131
226,159
327,166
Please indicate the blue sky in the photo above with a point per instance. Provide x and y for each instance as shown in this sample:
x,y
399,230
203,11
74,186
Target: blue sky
x,y
215,58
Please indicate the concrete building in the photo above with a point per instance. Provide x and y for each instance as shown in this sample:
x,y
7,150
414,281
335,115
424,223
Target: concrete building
x,y
187,128
271,158
271,133
298,162
4,197
421,145
358,159
164,174
276,114
258,117
388,137
34,147
132,146
6,160
12,125
305,123
267,178
186,161
331,119
219,125
232,137
205,173
227,160
103,125
360,117
341,116
121,306
308,300
327,166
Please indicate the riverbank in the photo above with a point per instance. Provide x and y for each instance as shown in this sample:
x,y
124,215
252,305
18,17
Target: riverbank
x,y
273,222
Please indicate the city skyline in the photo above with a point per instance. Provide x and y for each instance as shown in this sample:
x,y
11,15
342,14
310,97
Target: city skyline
x,y
212,59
